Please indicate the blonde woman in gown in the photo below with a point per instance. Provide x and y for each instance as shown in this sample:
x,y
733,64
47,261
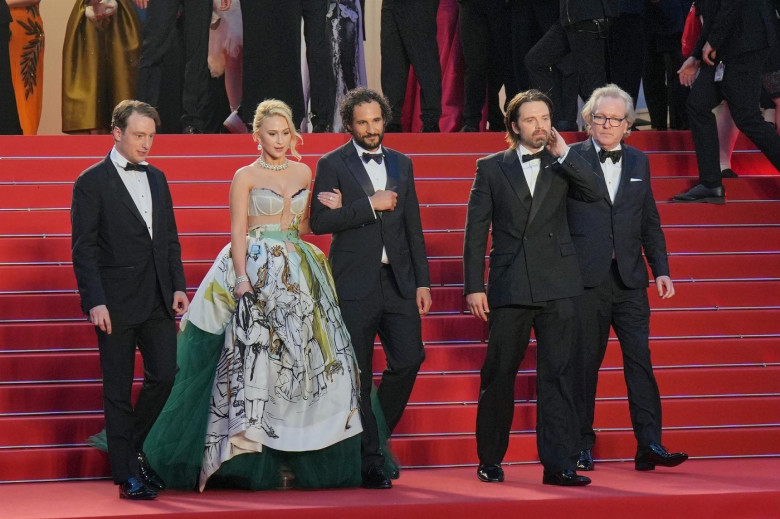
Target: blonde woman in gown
x,y
268,382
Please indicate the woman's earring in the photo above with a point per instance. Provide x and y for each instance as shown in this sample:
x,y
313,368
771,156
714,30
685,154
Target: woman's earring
x,y
260,148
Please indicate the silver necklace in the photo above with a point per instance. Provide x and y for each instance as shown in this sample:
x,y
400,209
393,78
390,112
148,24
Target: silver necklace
x,y
273,167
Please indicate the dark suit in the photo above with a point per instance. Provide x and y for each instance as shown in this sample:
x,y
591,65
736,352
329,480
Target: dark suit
x,y
741,32
119,265
533,279
616,289
376,298
408,37
159,34
581,31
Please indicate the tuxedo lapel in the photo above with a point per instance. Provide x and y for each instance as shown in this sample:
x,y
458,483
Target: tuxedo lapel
x,y
627,166
356,168
543,182
589,153
391,167
513,172
154,188
120,191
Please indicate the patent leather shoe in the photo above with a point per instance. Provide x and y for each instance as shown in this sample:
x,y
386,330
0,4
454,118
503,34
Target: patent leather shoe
x,y
134,488
728,173
654,454
586,460
490,473
375,478
150,478
704,194
565,478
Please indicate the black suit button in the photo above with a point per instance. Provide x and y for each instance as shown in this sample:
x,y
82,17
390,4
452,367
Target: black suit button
x,y
551,235
610,236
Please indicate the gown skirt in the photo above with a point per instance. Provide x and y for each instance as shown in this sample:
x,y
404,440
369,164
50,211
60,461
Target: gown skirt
x,y
268,385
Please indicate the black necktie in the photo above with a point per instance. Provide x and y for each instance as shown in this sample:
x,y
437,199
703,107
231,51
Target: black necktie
x,y
531,156
615,155
372,156
136,167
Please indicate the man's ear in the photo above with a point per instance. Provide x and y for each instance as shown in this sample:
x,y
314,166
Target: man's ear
x,y
117,133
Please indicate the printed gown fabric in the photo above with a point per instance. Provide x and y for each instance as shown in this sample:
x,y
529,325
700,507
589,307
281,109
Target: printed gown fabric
x,y
284,382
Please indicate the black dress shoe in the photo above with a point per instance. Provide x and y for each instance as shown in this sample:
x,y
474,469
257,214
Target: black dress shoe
x,y
702,193
150,478
394,128
565,478
728,173
430,128
654,454
319,127
375,478
469,129
586,460
490,473
191,130
134,488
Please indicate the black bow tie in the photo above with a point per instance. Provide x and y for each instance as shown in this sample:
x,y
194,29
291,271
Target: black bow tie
x,y
615,155
532,156
136,167
372,156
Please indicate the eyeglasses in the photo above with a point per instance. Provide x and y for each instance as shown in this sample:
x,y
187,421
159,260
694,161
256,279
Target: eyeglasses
x,y
613,121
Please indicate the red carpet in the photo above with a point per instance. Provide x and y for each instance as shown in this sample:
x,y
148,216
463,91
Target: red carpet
x,y
730,489
715,347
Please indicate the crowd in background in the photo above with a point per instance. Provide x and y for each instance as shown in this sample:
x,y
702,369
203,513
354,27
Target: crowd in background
x,y
446,65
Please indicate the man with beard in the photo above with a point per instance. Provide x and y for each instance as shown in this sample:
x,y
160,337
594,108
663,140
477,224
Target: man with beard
x,y
379,262
532,282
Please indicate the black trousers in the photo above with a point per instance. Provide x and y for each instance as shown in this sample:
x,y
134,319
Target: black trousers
x,y
664,94
322,84
556,423
626,51
272,56
397,321
159,35
408,37
485,31
530,21
581,46
128,426
627,311
741,88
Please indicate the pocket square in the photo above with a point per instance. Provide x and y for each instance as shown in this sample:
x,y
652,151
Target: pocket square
x,y
636,180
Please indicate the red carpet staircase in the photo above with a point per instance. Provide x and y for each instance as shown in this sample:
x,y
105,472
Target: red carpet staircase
x,y
716,345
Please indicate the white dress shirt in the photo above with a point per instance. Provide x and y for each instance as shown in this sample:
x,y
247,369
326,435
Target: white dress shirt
x,y
611,172
530,168
377,173
137,184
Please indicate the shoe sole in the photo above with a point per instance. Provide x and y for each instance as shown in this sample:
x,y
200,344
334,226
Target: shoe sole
x,y
557,483
717,200
652,465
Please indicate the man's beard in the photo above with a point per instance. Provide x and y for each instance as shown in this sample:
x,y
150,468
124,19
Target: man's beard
x,y
361,141
535,141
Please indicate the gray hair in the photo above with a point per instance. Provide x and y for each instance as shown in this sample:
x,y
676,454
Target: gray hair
x,y
610,90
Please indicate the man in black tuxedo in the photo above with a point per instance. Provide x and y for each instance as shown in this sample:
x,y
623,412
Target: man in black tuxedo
x,y
532,282
127,260
734,44
379,262
609,236
159,34
581,31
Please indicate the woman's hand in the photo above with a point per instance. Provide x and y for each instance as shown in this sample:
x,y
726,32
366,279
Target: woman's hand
x,y
242,288
330,199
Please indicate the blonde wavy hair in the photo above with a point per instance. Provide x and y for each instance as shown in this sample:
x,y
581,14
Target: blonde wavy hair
x,y
271,108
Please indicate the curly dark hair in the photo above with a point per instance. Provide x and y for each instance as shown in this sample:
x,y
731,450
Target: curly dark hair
x,y
513,112
361,95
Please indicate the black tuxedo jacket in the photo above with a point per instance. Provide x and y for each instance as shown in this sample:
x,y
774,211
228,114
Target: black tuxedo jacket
x,y
358,236
115,260
733,27
532,257
627,226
